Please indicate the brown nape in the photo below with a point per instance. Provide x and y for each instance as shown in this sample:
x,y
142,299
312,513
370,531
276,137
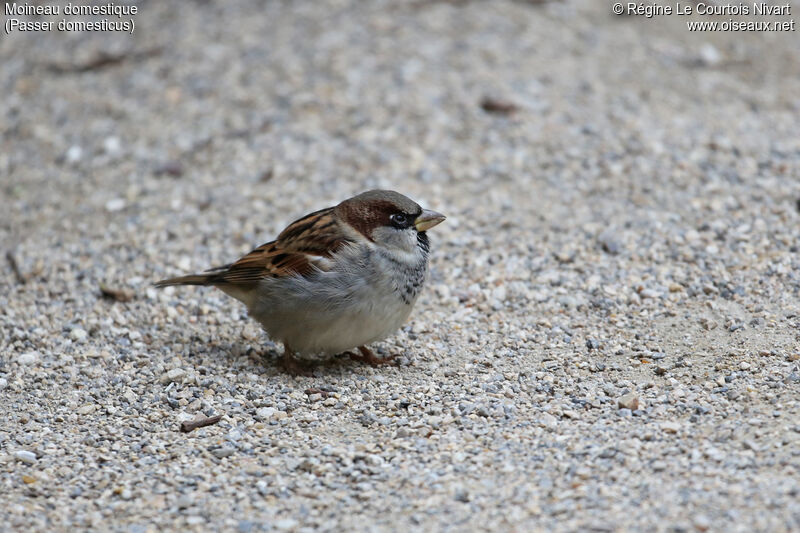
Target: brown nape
x,y
372,209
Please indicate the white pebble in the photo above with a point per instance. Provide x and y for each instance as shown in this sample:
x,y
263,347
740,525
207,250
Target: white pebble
x,y
78,334
25,456
710,55
671,427
115,204
28,358
112,145
265,413
87,409
286,523
499,293
74,154
549,421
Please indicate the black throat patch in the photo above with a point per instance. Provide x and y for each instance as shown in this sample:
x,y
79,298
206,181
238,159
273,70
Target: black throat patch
x,y
422,241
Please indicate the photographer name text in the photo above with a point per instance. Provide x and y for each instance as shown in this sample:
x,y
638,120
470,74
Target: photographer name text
x,y
655,9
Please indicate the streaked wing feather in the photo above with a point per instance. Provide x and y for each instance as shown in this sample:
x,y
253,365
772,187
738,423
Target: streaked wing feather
x,y
301,248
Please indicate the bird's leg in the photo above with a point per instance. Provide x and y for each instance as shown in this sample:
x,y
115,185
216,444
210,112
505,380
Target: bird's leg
x,y
291,365
368,356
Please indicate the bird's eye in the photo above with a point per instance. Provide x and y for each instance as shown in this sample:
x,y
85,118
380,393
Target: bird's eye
x,y
399,220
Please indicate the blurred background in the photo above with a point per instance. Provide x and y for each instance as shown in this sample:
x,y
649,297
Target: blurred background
x,y
223,121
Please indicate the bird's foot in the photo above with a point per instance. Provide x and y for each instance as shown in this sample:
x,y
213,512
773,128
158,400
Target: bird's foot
x,y
366,355
295,367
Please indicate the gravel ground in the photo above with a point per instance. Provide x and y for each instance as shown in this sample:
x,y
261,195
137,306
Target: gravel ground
x,y
609,337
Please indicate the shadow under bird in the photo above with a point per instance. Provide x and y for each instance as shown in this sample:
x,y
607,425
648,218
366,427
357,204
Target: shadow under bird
x,y
335,280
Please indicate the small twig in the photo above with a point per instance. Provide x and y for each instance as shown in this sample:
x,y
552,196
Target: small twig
x,y
21,278
198,146
104,60
120,295
170,168
191,425
496,105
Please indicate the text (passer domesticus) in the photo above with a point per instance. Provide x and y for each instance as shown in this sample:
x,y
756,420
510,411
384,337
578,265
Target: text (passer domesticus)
x,y
335,280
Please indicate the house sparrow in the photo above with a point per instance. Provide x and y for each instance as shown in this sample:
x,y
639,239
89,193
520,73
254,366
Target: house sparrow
x,y
336,279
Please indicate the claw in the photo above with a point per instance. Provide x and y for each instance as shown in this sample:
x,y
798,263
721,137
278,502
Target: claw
x,y
368,356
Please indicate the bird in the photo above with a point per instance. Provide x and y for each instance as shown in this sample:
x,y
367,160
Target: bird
x,y
335,280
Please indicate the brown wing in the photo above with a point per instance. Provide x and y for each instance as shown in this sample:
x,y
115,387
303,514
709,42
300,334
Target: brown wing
x,y
297,250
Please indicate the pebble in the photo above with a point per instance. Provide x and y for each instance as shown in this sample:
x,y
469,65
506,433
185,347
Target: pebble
x,y
115,204
628,401
185,501
223,452
659,466
285,524
74,154
78,334
265,413
710,55
28,358
750,445
548,421
25,456
174,375
461,495
702,522
610,243
649,293
112,145
670,427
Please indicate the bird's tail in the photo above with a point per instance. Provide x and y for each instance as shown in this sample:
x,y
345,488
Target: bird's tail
x,y
192,279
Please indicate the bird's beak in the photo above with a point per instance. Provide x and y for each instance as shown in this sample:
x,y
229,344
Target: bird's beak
x,y
427,219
